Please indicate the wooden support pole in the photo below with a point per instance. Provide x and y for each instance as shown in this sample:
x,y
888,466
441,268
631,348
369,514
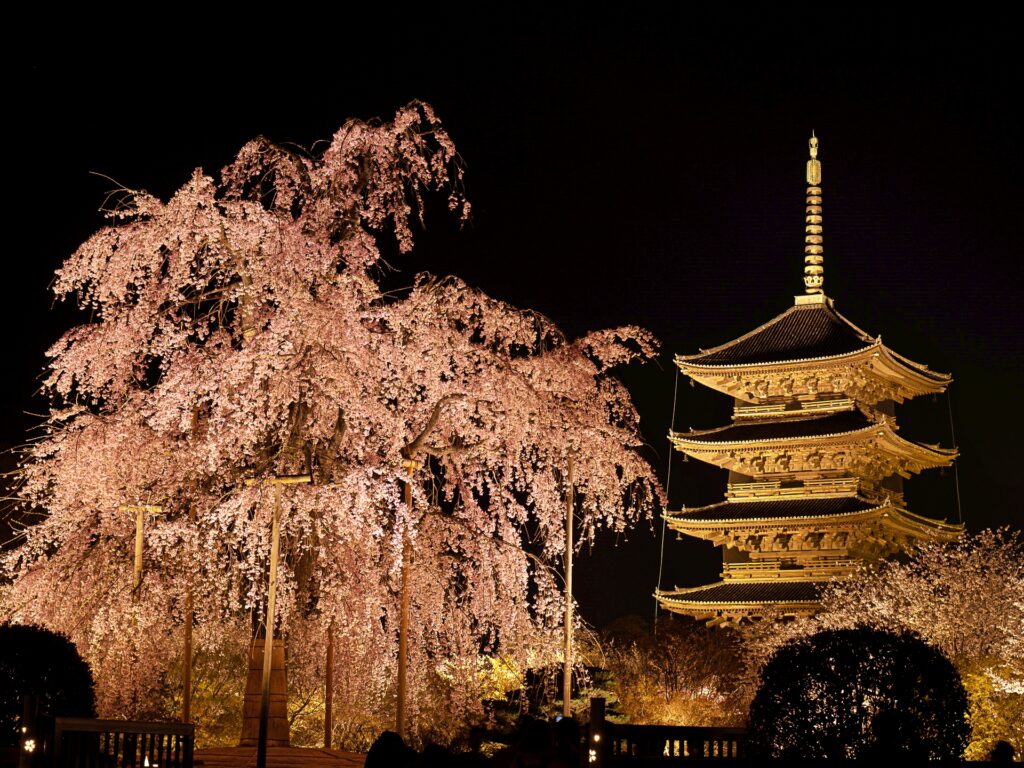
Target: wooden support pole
x,y
329,690
137,570
567,661
268,634
186,676
140,511
186,683
403,639
403,623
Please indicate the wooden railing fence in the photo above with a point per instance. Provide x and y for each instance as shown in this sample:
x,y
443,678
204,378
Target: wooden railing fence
x,y
613,744
73,742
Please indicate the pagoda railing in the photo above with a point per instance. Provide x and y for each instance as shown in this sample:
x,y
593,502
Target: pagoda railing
x,y
767,571
786,408
838,486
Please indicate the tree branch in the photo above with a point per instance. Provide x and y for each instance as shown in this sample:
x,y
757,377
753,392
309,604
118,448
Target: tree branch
x,y
410,449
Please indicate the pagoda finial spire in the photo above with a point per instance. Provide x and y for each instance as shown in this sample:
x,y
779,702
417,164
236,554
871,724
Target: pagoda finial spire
x,y
814,272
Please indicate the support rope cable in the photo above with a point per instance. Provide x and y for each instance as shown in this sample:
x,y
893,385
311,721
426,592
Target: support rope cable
x,y
668,485
952,433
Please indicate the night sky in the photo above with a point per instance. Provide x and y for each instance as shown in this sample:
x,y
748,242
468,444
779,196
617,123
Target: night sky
x,y
646,170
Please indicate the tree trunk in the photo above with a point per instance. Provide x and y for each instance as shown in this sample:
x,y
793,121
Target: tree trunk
x,y
277,722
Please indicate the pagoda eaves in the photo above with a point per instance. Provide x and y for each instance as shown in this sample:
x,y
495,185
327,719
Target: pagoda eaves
x,y
872,450
731,603
809,528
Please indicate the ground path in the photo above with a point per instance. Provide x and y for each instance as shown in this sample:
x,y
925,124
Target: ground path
x,y
277,757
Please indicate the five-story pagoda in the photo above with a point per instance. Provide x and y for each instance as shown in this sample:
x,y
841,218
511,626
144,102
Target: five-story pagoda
x,y
814,457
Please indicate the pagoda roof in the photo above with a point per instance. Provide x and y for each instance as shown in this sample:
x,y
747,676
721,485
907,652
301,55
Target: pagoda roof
x,y
837,423
802,332
748,592
807,331
777,509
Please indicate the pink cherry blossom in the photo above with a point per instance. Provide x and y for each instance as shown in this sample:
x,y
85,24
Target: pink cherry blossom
x,y
239,331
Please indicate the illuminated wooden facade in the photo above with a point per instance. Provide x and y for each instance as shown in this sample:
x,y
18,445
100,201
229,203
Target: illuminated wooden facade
x,y
815,459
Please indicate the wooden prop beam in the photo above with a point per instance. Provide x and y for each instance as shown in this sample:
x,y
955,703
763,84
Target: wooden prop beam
x,y
567,661
140,510
411,466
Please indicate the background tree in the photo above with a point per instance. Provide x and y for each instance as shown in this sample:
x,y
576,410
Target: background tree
x,y
854,693
241,331
966,598
220,665
42,664
685,674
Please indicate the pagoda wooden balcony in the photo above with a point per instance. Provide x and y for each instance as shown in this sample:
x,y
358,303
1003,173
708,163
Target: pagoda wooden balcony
x,y
831,486
785,408
773,570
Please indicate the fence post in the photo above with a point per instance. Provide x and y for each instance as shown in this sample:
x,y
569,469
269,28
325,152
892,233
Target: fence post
x,y
597,744
29,738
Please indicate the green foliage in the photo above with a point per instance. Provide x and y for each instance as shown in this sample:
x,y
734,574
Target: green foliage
x,y
857,693
37,662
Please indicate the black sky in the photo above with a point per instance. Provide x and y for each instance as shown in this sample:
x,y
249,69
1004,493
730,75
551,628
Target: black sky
x,y
643,169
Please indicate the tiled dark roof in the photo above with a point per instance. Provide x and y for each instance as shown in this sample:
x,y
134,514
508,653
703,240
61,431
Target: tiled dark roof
x,y
801,332
778,509
753,592
772,429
